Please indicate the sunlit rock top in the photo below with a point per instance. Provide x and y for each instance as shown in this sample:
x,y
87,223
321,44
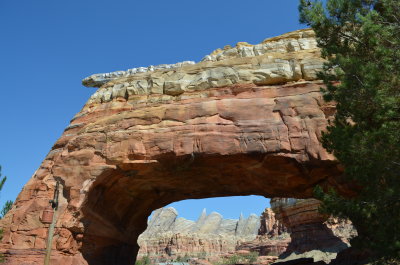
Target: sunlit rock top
x,y
290,57
289,42
98,80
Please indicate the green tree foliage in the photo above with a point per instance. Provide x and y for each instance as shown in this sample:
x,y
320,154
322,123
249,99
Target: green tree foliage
x,y
2,180
361,41
251,257
4,210
182,259
6,207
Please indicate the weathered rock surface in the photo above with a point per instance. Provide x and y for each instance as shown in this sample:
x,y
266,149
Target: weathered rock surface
x,y
236,125
283,59
235,71
97,80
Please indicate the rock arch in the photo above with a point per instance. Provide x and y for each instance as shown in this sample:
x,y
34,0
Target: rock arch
x,y
246,120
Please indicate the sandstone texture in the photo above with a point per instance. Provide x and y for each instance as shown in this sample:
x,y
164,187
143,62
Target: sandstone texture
x,y
245,120
187,75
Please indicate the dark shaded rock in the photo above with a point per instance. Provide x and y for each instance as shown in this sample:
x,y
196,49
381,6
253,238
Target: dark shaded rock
x,y
302,261
352,256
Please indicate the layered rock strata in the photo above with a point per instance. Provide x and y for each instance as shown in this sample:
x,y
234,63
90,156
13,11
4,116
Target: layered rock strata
x,y
188,76
266,246
242,123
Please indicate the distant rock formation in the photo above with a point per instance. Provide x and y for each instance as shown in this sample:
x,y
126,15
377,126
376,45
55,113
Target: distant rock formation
x,y
167,235
269,225
165,220
293,230
272,239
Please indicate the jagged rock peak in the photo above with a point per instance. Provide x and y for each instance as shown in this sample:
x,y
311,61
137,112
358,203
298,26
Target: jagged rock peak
x,y
165,220
290,42
202,216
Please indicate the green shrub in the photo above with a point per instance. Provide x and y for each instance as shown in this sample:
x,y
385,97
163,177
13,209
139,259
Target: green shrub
x,y
202,255
239,259
143,261
360,41
251,257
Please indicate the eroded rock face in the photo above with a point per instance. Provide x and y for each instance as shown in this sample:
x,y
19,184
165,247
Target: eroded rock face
x,y
177,78
236,124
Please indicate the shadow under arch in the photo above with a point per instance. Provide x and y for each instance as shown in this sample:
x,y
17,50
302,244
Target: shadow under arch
x,y
119,201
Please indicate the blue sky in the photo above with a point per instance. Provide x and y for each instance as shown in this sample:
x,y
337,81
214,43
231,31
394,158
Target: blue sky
x,y
49,46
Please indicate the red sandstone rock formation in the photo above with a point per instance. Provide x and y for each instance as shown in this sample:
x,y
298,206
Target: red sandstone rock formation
x,y
265,246
272,239
269,225
243,121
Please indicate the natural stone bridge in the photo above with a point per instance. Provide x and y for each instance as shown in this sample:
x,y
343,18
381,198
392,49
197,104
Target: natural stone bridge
x,y
246,120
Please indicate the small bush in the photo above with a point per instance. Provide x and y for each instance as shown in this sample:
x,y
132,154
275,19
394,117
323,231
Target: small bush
x,y
143,261
202,255
251,257
239,259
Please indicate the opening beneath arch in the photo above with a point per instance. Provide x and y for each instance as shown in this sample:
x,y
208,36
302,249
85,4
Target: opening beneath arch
x,y
252,233
229,207
218,230
119,201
